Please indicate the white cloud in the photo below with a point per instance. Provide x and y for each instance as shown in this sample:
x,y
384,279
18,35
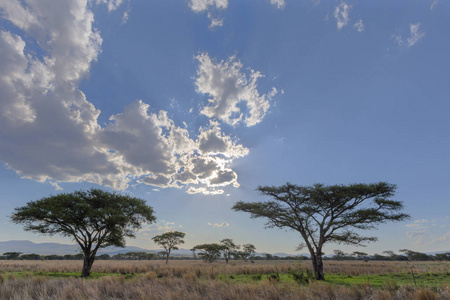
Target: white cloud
x,y
50,132
211,7
47,126
111,4
215,21
126,15
56,186
223,224
416,35
204,191
150,230
426,232
211,141
278,3
204,5
228,87
341,13
434,4
359,25
415,233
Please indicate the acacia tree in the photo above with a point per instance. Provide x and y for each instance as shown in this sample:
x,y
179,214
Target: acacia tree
x,y
248,250
94,219
229,248
210,253
327,214
169,241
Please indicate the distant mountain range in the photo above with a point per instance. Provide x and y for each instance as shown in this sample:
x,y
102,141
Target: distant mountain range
x,y
27,247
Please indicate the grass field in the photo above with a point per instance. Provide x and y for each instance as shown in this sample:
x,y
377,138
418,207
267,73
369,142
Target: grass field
x,y
237,280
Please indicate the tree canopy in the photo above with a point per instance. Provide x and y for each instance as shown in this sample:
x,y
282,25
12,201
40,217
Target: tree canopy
x,y
210,252
229,248
169,241
327,214
93,219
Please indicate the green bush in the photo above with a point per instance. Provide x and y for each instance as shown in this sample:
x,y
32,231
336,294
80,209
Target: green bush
x,y
302,275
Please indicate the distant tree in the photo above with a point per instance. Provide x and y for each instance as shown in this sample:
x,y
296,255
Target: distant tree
x,y
135,255
210,252
268,256
339,254
248,250
53,257
12,255
31,256
169,241
442,256
103,257
94,219
416,256
360,255
229,248
237,255
326,214
394,256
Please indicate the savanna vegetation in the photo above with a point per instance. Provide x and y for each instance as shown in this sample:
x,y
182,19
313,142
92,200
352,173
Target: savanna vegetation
x,y
224,270
190,279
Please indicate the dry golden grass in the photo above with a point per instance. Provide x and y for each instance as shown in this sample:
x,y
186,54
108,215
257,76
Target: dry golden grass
x,y
148,287
178,268
198,280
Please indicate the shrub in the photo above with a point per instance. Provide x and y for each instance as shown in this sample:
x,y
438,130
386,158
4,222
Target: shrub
x,y
302,275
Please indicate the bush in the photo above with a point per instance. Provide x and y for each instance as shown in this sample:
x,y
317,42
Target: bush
x,y
302,275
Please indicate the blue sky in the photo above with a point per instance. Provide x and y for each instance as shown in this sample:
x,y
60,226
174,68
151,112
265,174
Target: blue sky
x,y
191,105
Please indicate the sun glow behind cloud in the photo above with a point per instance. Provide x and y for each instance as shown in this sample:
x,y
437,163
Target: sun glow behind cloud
x,y
137,145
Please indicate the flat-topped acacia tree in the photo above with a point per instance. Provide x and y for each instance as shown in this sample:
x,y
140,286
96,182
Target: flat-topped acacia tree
x,y
169,241
94,219
327,214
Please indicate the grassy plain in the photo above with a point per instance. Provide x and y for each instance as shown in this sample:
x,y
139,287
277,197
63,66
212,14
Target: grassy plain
x,y
182,279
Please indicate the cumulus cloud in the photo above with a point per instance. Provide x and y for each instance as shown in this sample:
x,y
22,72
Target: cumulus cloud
x,y
150,230
204,191
224,224
50,131
111,4
47,126
415,34
341,13
359,25
278,3
426,232
415,233
229,88
212,8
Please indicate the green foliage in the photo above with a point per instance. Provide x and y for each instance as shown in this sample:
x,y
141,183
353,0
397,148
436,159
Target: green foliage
x,y
302,275
169,241
31,256
327,214
229,248
416,256
93,218
12,255
248,250
210,252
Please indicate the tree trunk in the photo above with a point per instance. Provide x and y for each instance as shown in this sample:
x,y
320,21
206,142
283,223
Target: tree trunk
x,y
317,266
319,274
87,265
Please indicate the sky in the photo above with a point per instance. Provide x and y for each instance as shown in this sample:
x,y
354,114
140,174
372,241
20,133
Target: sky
x,y
193,104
